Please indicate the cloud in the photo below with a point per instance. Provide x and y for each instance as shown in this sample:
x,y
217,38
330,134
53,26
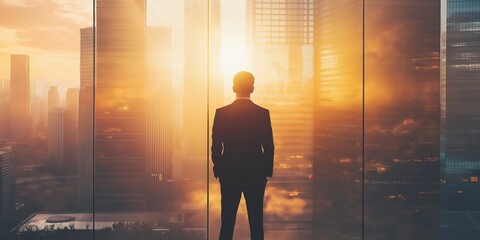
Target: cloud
x,y
49,32
406,127
46,24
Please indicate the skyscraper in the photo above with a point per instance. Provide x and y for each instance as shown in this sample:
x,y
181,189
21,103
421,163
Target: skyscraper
x,y
337,198
72,101
120,124
460,127
85,120
7,185
280,36
39,114
20,83
159,114
53,98
4,107
20,95
376,111
61,134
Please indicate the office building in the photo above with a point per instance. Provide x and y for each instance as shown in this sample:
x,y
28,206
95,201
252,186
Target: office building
x,y
20,83
53,98
20,96
39,114
280,36
337,194
375,111
120,115
7,186
72,101
401,110
85,120
159,114
61,136
4,107
460,122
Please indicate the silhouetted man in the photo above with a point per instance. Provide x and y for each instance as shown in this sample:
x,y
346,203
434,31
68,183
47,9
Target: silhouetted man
x,y
242,154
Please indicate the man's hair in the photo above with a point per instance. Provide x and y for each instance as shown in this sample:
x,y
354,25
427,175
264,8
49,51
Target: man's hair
x,y
243,81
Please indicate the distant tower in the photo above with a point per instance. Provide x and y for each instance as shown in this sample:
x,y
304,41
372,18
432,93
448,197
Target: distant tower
x,y
53,98
280,36
85,120
72,109
39,114
4,108
120,115
20,84
159,114
7,184
460,119
56,134
72,103
281,39
337,199
20,96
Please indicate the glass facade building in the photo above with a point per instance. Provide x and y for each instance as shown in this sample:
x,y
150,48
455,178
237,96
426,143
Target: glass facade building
x,y
280,38
373,104
119,140
460,136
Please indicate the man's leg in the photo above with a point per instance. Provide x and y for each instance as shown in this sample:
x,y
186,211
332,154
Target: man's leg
x,y
230,200
254,200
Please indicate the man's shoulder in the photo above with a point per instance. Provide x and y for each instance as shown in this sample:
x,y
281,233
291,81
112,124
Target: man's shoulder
x,y
232,106
260,108
221,109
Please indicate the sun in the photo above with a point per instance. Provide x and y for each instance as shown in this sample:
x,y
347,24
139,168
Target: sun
x,y
234,56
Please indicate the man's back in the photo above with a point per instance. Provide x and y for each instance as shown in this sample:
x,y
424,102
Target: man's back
x,y
242,154
244,130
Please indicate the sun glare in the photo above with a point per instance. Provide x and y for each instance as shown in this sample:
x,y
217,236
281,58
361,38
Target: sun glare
x,y
234,55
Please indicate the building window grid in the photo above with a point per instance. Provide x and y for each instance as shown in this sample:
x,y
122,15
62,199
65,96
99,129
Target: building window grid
x,y
283,21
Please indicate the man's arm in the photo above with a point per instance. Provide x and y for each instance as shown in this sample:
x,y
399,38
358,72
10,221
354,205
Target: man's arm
x,y
268,147
217,146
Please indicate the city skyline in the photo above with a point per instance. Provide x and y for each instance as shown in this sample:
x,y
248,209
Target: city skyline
x,y
373,113
49,51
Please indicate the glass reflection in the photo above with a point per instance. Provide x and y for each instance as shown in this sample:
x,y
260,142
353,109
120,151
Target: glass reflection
x,y
116,117
44,67
337,164
401,119
149,160
460,132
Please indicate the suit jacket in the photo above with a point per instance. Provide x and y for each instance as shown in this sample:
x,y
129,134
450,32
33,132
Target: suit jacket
x,y
242,143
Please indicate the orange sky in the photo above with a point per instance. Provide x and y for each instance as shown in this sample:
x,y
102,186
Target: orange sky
x,y
47,31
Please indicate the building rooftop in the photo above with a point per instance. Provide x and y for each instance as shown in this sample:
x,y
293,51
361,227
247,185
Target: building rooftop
x,y
160,221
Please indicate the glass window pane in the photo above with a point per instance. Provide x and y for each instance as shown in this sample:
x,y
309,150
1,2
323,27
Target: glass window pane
x,y
151,118
46,78
402,112
337,163
282,65
460,89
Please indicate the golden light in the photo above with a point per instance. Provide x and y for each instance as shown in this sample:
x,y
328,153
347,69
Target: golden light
x,y
234,55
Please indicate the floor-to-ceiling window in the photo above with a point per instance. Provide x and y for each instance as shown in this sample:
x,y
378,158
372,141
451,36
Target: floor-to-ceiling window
x,y
46,75
106,110
401,119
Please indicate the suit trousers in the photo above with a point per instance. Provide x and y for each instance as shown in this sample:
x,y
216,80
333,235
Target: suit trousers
x,y
253,195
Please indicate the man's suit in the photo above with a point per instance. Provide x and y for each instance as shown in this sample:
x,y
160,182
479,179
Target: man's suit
x,y
242,154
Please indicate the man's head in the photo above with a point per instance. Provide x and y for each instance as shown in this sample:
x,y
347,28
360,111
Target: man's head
x,y
243,84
